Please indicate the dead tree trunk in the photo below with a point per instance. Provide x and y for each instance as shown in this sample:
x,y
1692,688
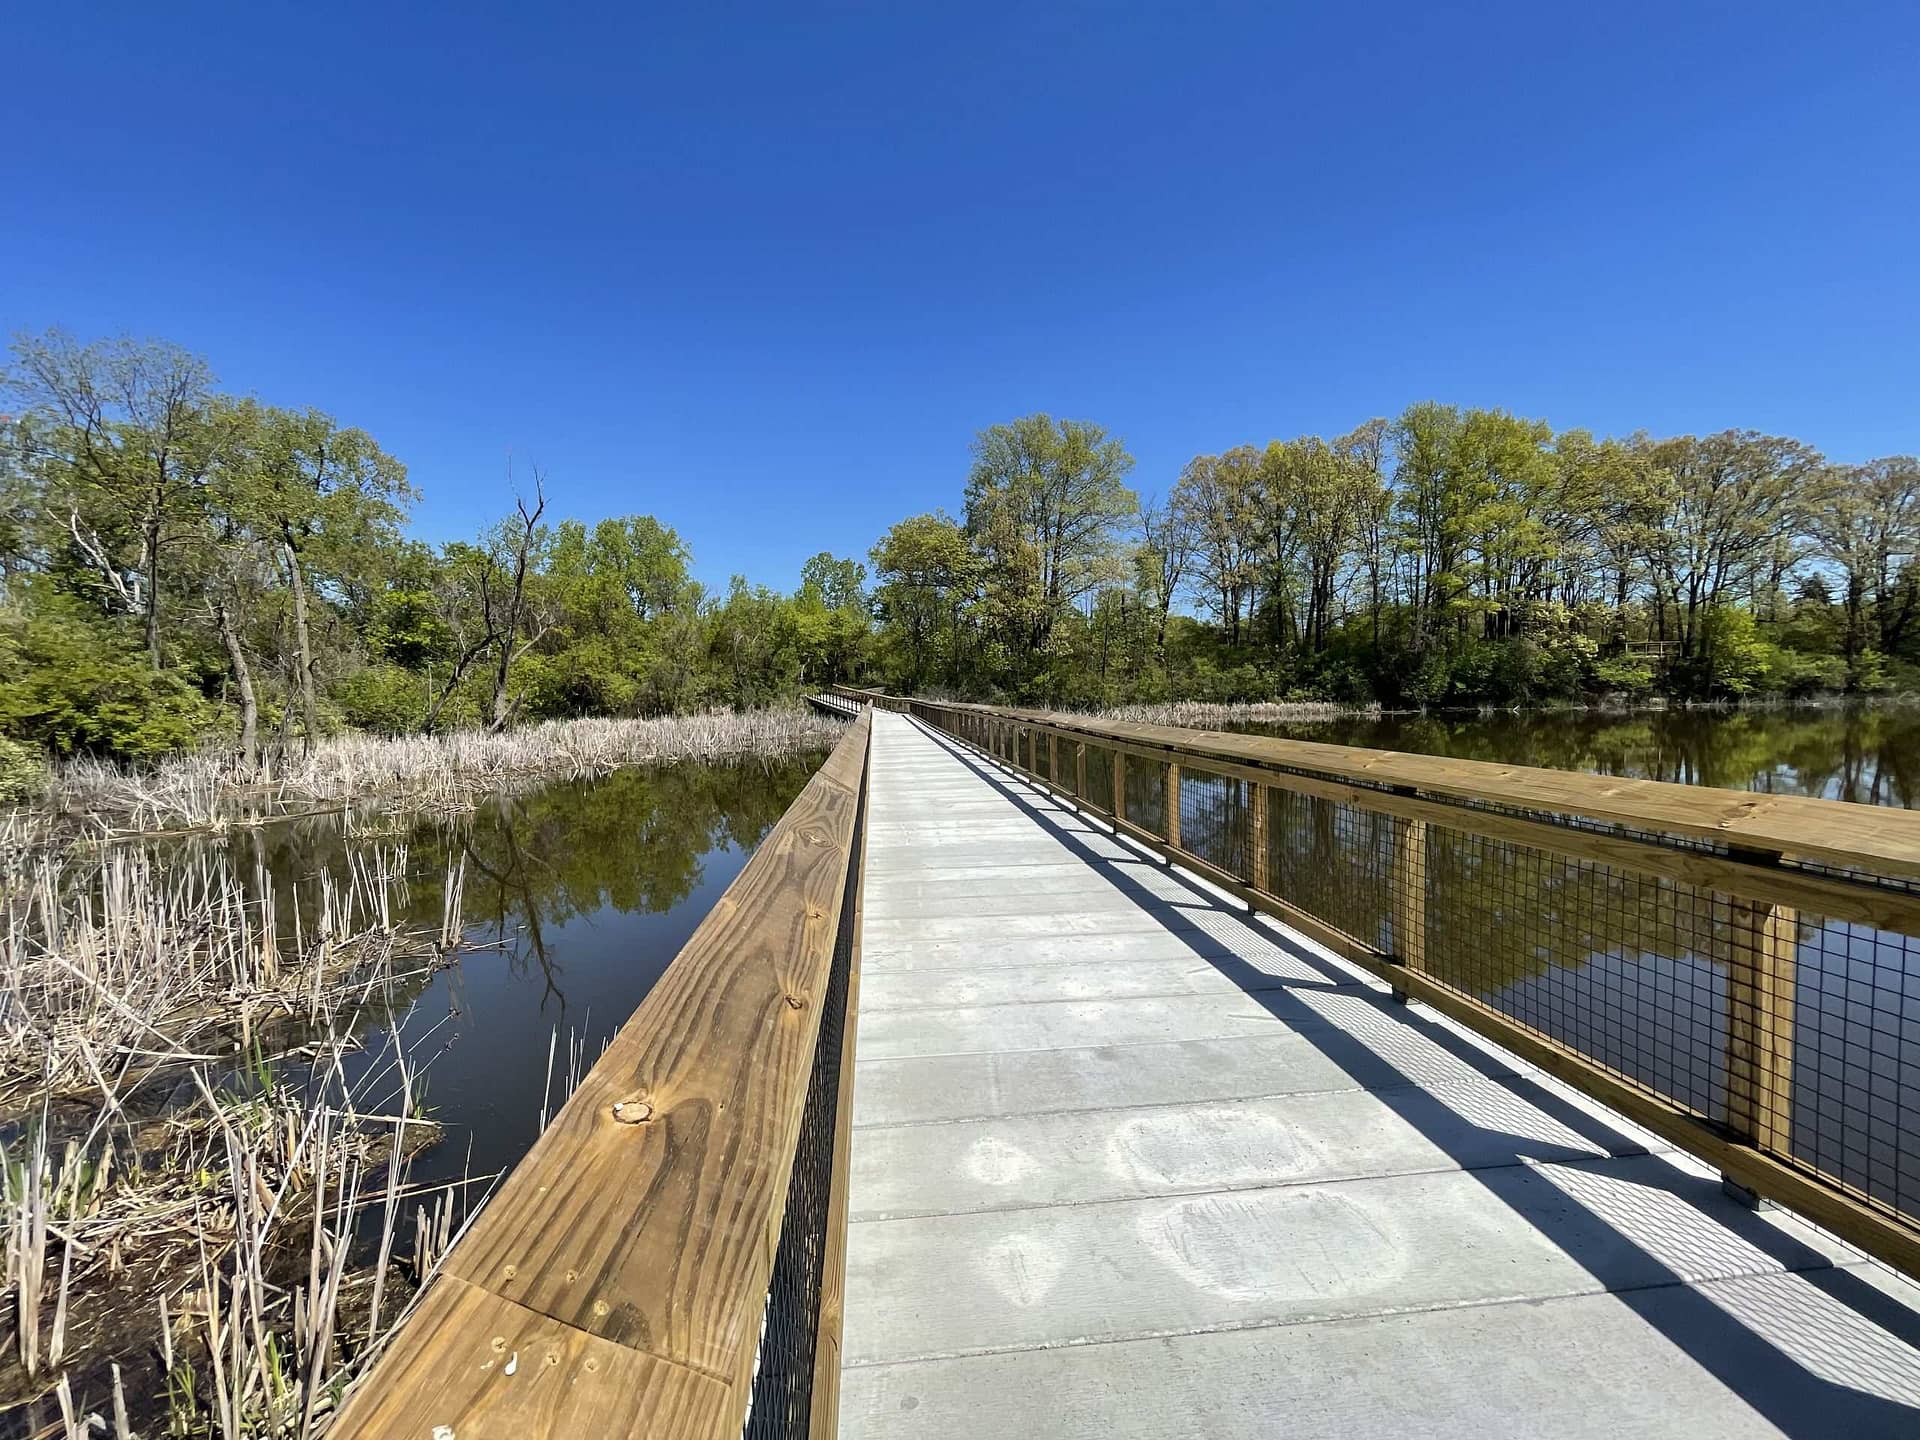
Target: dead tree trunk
x,y
302,638
242,683
521,547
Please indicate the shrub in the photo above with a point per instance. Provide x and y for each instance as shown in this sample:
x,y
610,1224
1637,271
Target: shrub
x,y
1870,672
23,772
74,684
1624,674
382,698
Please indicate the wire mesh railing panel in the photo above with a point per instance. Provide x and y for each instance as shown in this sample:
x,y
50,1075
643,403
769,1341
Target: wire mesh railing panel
x,y
1855,1050
1216,820
1335,862
1100,778
1145,785
1629,971
1039,755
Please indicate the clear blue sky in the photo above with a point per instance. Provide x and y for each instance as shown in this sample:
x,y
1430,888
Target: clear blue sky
x,y
764,270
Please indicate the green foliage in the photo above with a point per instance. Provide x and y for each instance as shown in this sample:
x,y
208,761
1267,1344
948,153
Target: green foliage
x,y
1734,660
404,627
23,772
1869,672
76,685
179,563
1623,675
387,699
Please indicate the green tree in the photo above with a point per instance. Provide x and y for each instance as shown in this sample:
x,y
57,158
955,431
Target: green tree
x,y
929,577
1726,503
1045,506
1866,520
125,446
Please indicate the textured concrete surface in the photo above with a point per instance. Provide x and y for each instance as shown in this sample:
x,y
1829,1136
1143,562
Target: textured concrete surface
x,y
1126,1163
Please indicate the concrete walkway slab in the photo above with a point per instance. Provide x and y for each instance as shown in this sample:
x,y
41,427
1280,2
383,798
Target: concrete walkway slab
x,y
1083,1156
932,1089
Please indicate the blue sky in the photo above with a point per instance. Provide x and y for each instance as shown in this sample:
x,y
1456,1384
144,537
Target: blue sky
x,y
763,270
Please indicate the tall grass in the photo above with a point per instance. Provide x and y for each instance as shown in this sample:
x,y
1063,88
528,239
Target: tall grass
x,y
189,1174
212,788
125,961
1203,715
221,1251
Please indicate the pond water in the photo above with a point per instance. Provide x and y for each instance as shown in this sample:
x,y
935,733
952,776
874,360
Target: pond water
x,y
1867,753
576,897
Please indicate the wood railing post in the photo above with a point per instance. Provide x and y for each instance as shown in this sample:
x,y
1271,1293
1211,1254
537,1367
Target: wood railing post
x,y
1409,886
1763,943
1173,808
1053,760
1257,837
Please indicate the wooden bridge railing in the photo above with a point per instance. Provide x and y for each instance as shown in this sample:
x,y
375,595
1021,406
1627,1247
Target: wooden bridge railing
x,y
668,1256
1734,971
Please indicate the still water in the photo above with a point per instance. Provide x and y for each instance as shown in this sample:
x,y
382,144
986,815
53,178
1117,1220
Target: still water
x,y
1868,753
576,897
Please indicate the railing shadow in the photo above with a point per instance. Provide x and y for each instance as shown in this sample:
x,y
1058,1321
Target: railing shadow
x,y
1620,1217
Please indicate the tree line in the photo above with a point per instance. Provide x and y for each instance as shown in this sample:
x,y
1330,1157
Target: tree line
x,y
179,564
1450,556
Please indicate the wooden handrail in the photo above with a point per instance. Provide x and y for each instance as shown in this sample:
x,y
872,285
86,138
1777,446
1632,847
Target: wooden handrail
x,y
1742,894
617,1283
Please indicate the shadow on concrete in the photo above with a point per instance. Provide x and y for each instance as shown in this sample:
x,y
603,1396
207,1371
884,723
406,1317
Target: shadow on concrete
x,y
1616,1227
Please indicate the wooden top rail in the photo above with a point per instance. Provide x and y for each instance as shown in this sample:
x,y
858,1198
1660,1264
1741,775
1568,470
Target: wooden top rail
x,y
616,1284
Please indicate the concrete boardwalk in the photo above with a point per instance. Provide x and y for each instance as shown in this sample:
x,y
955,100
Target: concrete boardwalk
x,y
1129,1164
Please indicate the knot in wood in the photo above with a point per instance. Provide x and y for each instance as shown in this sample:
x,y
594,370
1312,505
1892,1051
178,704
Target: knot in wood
x,y
796,1002
632,1112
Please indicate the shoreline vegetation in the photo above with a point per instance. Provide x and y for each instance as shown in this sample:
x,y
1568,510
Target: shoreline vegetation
x,y
209,1225
211,788
206,1123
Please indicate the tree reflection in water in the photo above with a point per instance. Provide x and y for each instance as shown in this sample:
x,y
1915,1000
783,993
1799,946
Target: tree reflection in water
x,y
576,897
637,841
1867,753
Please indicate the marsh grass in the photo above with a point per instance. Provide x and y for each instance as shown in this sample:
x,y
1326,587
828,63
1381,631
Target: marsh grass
x,y
1202,715
203,1185
212,789
126,962
218,1255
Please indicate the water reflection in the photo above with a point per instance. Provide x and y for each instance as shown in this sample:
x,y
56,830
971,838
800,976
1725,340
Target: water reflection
x,y
1867,753
576,898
